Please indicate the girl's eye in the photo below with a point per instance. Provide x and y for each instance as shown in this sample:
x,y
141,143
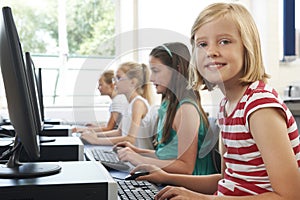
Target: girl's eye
x,y
154,70
201,44
224,42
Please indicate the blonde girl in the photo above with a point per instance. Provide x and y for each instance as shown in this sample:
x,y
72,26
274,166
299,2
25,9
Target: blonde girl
x,y
119,103
132,80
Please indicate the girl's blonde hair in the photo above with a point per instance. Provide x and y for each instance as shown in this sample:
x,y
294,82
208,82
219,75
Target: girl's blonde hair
x,y
107,76
253,63
141,73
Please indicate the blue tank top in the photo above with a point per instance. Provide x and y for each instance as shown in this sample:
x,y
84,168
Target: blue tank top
x,y
169,149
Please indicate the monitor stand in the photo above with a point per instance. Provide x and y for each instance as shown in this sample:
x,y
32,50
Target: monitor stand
x,y
15,169
29,170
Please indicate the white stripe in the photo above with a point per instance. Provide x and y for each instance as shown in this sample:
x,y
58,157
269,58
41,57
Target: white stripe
x,y
249,156
238,113
234,128
247,168
238,143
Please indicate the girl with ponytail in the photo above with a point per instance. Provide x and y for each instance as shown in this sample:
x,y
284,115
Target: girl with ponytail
x,y
132,80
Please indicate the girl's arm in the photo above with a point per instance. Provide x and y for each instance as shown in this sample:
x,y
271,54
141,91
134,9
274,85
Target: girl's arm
x,y
271,137
98,128
206,184
99,138
111,122
139,110
186,123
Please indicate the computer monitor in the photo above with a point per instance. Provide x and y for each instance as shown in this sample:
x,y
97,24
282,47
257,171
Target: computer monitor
x,y
48,123
33,89
38,75
20,106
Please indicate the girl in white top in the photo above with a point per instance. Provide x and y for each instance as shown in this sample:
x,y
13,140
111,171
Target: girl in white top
x,y
132,80
119,104
145,133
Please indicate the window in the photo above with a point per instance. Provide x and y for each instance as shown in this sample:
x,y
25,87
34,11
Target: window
x,y
68,39
291,29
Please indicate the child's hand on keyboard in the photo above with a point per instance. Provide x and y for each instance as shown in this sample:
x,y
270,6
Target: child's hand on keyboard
x,y
156,175
89,137
128,155
127,144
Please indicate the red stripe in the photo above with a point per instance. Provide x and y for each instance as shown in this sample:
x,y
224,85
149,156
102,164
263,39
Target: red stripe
x,y
293,135
242,150
259,173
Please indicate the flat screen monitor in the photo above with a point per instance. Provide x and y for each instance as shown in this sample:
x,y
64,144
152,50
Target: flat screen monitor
x,y
21,106
38,75
33,90
48,123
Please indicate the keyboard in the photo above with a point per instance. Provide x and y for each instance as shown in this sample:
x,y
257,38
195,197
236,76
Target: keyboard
x,y
109,159
131,189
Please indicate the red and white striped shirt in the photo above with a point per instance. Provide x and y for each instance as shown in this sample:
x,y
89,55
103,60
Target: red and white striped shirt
x,y
245,172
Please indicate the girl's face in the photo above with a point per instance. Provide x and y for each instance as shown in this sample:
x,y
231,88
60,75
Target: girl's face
x,y
160,76
122,82
219,51
104,88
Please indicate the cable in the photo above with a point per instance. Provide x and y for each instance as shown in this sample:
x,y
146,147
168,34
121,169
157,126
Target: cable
x,y
5,135
9,151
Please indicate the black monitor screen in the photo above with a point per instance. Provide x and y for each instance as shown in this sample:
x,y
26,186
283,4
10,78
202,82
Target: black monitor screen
x,y
33,89
21,105
38,75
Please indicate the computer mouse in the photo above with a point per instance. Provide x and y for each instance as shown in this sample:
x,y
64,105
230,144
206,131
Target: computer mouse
x,y
135,175
117,148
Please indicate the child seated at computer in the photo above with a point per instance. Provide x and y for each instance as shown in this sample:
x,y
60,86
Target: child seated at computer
x,y
182,124
260,139
106,86
132,80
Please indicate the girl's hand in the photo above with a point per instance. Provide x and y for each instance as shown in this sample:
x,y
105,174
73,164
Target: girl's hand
x,y
89,136
78,130
156,175
127,144
127,154
170,192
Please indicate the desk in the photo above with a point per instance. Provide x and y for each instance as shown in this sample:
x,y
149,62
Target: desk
x,y
76,181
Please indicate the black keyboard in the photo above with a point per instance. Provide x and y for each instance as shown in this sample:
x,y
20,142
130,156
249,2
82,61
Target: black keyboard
x,y
131,189
109,159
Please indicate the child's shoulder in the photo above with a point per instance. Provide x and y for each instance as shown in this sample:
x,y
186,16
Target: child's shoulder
x,y
259,89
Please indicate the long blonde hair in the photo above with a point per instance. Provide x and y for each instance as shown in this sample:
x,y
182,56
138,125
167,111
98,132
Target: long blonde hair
x,y
141,73
253,63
